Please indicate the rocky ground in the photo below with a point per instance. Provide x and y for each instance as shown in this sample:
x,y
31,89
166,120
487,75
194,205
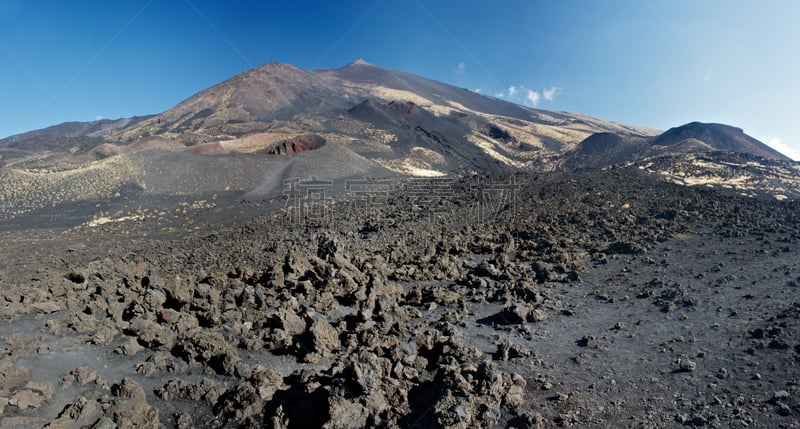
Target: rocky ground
x,y
595,299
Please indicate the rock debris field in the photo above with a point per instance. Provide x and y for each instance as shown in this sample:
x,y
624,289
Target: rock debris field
x,y
595,299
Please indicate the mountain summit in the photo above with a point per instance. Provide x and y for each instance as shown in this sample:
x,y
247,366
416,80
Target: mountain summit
x,y
249,134
389,117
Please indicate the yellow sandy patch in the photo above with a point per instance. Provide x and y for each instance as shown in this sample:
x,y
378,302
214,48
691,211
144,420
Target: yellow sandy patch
x,y
488,146
104,220
427,155
410,167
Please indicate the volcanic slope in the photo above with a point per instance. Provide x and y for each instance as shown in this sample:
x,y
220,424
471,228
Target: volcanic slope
x,y
250,134
256,133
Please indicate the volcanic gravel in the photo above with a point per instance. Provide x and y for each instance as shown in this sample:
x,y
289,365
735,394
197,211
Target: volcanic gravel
x,y
594,299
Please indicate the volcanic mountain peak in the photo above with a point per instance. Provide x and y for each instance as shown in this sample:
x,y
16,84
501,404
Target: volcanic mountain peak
x,y
284,98
441,118
358,119
275,66
248,102
717,137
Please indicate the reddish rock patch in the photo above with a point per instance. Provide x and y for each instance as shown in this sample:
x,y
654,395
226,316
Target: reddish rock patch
x,y
297,145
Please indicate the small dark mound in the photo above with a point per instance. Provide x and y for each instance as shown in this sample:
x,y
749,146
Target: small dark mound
x,y
603,150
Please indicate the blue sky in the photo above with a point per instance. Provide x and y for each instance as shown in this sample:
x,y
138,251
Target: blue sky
x,y
644,62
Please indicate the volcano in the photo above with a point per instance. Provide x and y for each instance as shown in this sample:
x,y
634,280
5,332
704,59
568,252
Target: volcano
x,y
362,247
356,121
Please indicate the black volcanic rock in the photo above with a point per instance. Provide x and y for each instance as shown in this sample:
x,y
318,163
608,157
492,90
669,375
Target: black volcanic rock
x,y
472,301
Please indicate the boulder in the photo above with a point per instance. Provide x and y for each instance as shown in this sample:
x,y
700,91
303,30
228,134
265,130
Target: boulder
x,y
33,395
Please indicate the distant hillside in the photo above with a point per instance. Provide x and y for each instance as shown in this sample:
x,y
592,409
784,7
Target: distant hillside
x,y
695,154
606,149
717,137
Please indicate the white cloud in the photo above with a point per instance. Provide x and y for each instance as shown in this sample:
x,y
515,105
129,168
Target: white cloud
x,y
478,90
523,95
776,143
533,97
99,118
529,97
550,93
707,76
461,67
